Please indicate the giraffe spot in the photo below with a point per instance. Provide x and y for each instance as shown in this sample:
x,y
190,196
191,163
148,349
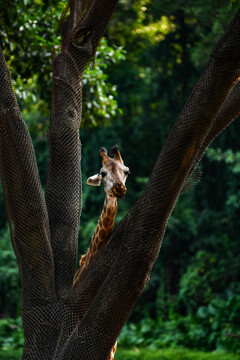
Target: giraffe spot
x,y
111,211
106,222
102,233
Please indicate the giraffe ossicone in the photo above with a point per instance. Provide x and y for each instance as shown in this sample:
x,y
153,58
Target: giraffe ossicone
x,y
113,173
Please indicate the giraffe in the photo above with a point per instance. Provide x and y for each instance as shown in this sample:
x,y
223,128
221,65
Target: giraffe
x,y
113,174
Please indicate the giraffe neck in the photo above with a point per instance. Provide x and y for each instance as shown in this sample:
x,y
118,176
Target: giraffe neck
x,y
103,229
101,236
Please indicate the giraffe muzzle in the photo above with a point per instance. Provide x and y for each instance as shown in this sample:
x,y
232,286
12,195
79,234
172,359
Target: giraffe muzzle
x,y
119,190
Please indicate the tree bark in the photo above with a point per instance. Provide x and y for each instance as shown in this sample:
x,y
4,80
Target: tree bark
x,y
24,199
83,322
228,112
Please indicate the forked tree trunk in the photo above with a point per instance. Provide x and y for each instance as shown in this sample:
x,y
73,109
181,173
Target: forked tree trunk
x,y
83,322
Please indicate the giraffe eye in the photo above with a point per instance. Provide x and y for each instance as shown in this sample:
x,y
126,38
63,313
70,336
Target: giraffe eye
x,y
127,172
103,174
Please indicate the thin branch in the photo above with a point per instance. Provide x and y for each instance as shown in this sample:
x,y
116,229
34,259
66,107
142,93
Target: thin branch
x,y
228,112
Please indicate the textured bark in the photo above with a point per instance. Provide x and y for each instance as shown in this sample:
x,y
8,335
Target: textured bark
x,y
24,199
228,112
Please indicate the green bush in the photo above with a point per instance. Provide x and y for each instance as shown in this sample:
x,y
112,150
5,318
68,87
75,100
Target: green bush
x,y
215,326
11,355
11,334
172,354
9,278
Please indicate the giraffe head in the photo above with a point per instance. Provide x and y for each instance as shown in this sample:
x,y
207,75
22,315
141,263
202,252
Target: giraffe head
x,y
113,173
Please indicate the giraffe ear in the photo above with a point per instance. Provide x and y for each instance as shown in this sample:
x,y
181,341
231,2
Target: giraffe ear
x,y
94,180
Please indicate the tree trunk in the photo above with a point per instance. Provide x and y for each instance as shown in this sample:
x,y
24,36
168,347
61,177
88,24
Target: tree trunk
x,y
83,322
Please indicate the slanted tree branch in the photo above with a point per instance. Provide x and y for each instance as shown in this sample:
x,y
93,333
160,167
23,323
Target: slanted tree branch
x,y
228,112
26,208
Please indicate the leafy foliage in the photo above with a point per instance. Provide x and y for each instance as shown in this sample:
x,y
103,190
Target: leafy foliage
x,y
11,334
100,105
211,326
31,39
9,278
10,355
169,354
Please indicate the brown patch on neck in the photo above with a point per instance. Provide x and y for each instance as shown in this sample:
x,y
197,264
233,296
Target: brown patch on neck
x,y
106,222
102,234
103,230
109,212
